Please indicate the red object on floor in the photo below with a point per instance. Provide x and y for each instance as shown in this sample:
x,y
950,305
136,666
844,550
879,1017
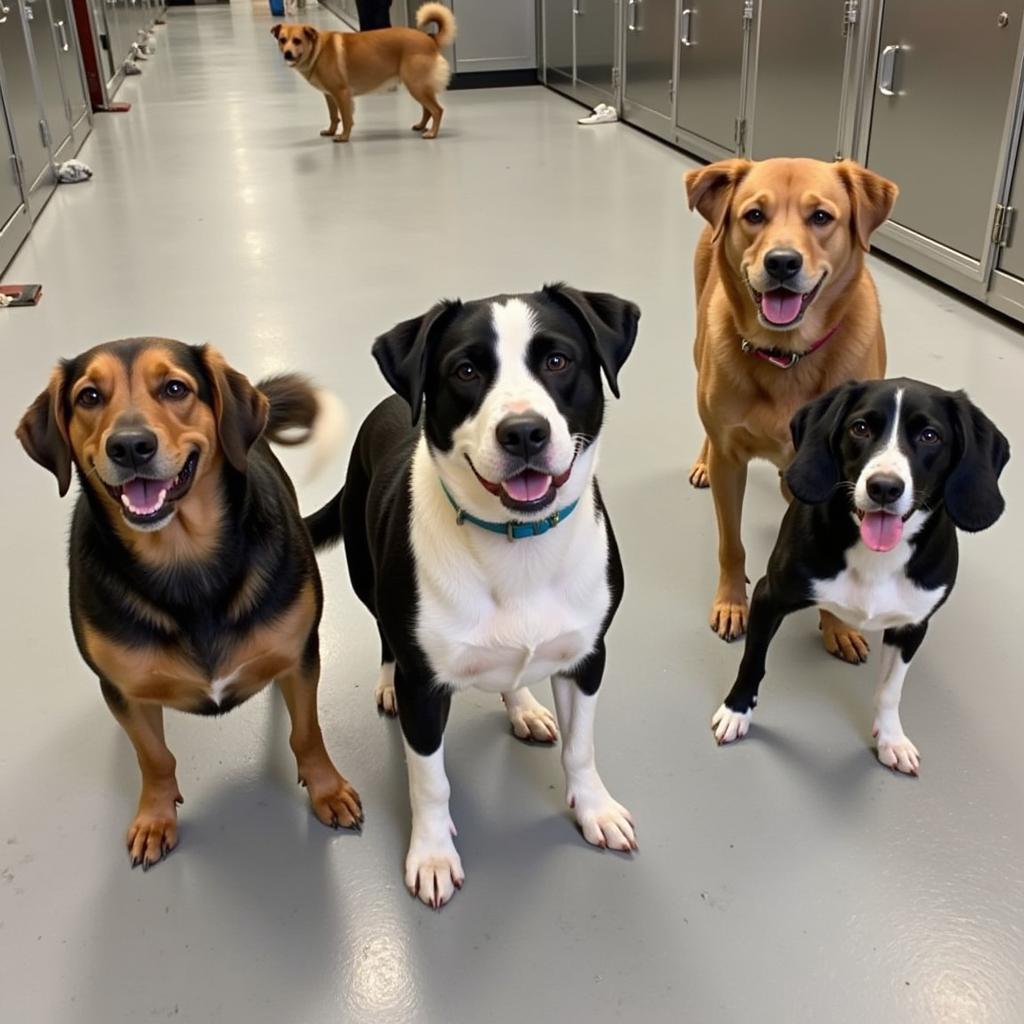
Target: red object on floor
x,y
117,108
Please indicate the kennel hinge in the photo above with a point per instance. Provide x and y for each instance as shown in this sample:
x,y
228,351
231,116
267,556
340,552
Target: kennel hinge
x,y
616,78
850,11
18,174
748,14
740,134
44,133
1002,226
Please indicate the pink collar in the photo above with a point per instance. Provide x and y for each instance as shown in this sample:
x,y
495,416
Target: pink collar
x,y
781,358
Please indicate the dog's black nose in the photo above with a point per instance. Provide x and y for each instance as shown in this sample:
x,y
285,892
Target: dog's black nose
x,y
783,264
885,488
131,449
524,434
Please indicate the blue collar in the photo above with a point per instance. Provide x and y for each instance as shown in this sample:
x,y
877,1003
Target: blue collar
x,y
512,529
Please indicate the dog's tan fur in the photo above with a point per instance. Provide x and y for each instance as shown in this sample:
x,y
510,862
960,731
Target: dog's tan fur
x,y
746,403
343,65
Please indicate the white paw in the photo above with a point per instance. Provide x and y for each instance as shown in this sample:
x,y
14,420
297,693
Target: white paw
x,y
384,691
433,869
604,821
729,725
896,751
530,719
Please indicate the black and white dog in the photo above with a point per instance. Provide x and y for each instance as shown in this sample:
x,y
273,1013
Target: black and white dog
x,y
883,475
477,537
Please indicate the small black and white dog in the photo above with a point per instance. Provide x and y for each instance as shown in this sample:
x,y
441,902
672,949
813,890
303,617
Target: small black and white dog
x,y
883,475
477,537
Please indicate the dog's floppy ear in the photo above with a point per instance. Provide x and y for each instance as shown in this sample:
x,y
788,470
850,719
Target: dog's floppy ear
x,y
972,495
310,33
709,190
610,322
814,473
43,432
871,199
276,31
240,409
402,352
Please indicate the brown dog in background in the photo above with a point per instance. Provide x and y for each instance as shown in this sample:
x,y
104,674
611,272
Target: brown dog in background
x,y
193,579
343,65
786,311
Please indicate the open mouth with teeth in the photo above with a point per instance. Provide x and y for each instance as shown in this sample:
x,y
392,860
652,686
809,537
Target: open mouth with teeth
x,y
782,308
881,531
146,501
529,490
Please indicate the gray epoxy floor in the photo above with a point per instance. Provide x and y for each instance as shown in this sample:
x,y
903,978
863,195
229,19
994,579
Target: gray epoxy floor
x,y
789,878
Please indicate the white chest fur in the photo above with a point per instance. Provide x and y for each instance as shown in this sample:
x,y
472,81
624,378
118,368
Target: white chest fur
x,y
874,592
500,615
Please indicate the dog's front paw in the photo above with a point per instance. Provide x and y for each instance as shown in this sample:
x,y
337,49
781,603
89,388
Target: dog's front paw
x,y
154,832
699,474
341,138
728,618
843,641
897,752
327,132
384,691
529,719
729,725
433,869
603,821
335,802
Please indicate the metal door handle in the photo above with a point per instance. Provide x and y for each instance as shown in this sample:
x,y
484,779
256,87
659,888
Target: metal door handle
x,y
59,25
631,7
578,8
686,18
887,70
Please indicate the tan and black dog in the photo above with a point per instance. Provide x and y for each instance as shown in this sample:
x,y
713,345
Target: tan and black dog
x,y
786,311
343,65
193,579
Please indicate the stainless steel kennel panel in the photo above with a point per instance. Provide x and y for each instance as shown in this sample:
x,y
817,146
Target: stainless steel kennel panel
x,y
15,222
49,83
76,100
595,24
938,124
558,57
797,83
709,92
648,65
21,101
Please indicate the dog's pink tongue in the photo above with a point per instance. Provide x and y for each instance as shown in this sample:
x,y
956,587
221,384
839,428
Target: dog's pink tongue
x,y
780,305
144,495
881,531
527,486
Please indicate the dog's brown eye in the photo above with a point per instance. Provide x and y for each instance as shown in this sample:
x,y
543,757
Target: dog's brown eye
x,y
754,216
466,372
821,217
556,362
930,436
89,398
175,389
860,429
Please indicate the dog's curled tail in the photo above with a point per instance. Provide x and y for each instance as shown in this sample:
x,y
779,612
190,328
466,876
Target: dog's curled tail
x,y
301,413
442,18
324,524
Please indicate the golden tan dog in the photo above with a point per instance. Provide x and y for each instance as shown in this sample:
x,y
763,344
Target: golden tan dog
x,y
786,311
343,65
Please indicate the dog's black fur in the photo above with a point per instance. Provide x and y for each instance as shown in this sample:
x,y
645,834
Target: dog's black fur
x,y
955,480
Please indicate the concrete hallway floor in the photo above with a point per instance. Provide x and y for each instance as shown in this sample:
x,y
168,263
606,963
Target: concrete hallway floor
x,y
787,879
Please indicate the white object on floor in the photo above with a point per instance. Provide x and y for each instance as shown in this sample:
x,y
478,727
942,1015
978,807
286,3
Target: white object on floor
x,y
72,171
601,114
